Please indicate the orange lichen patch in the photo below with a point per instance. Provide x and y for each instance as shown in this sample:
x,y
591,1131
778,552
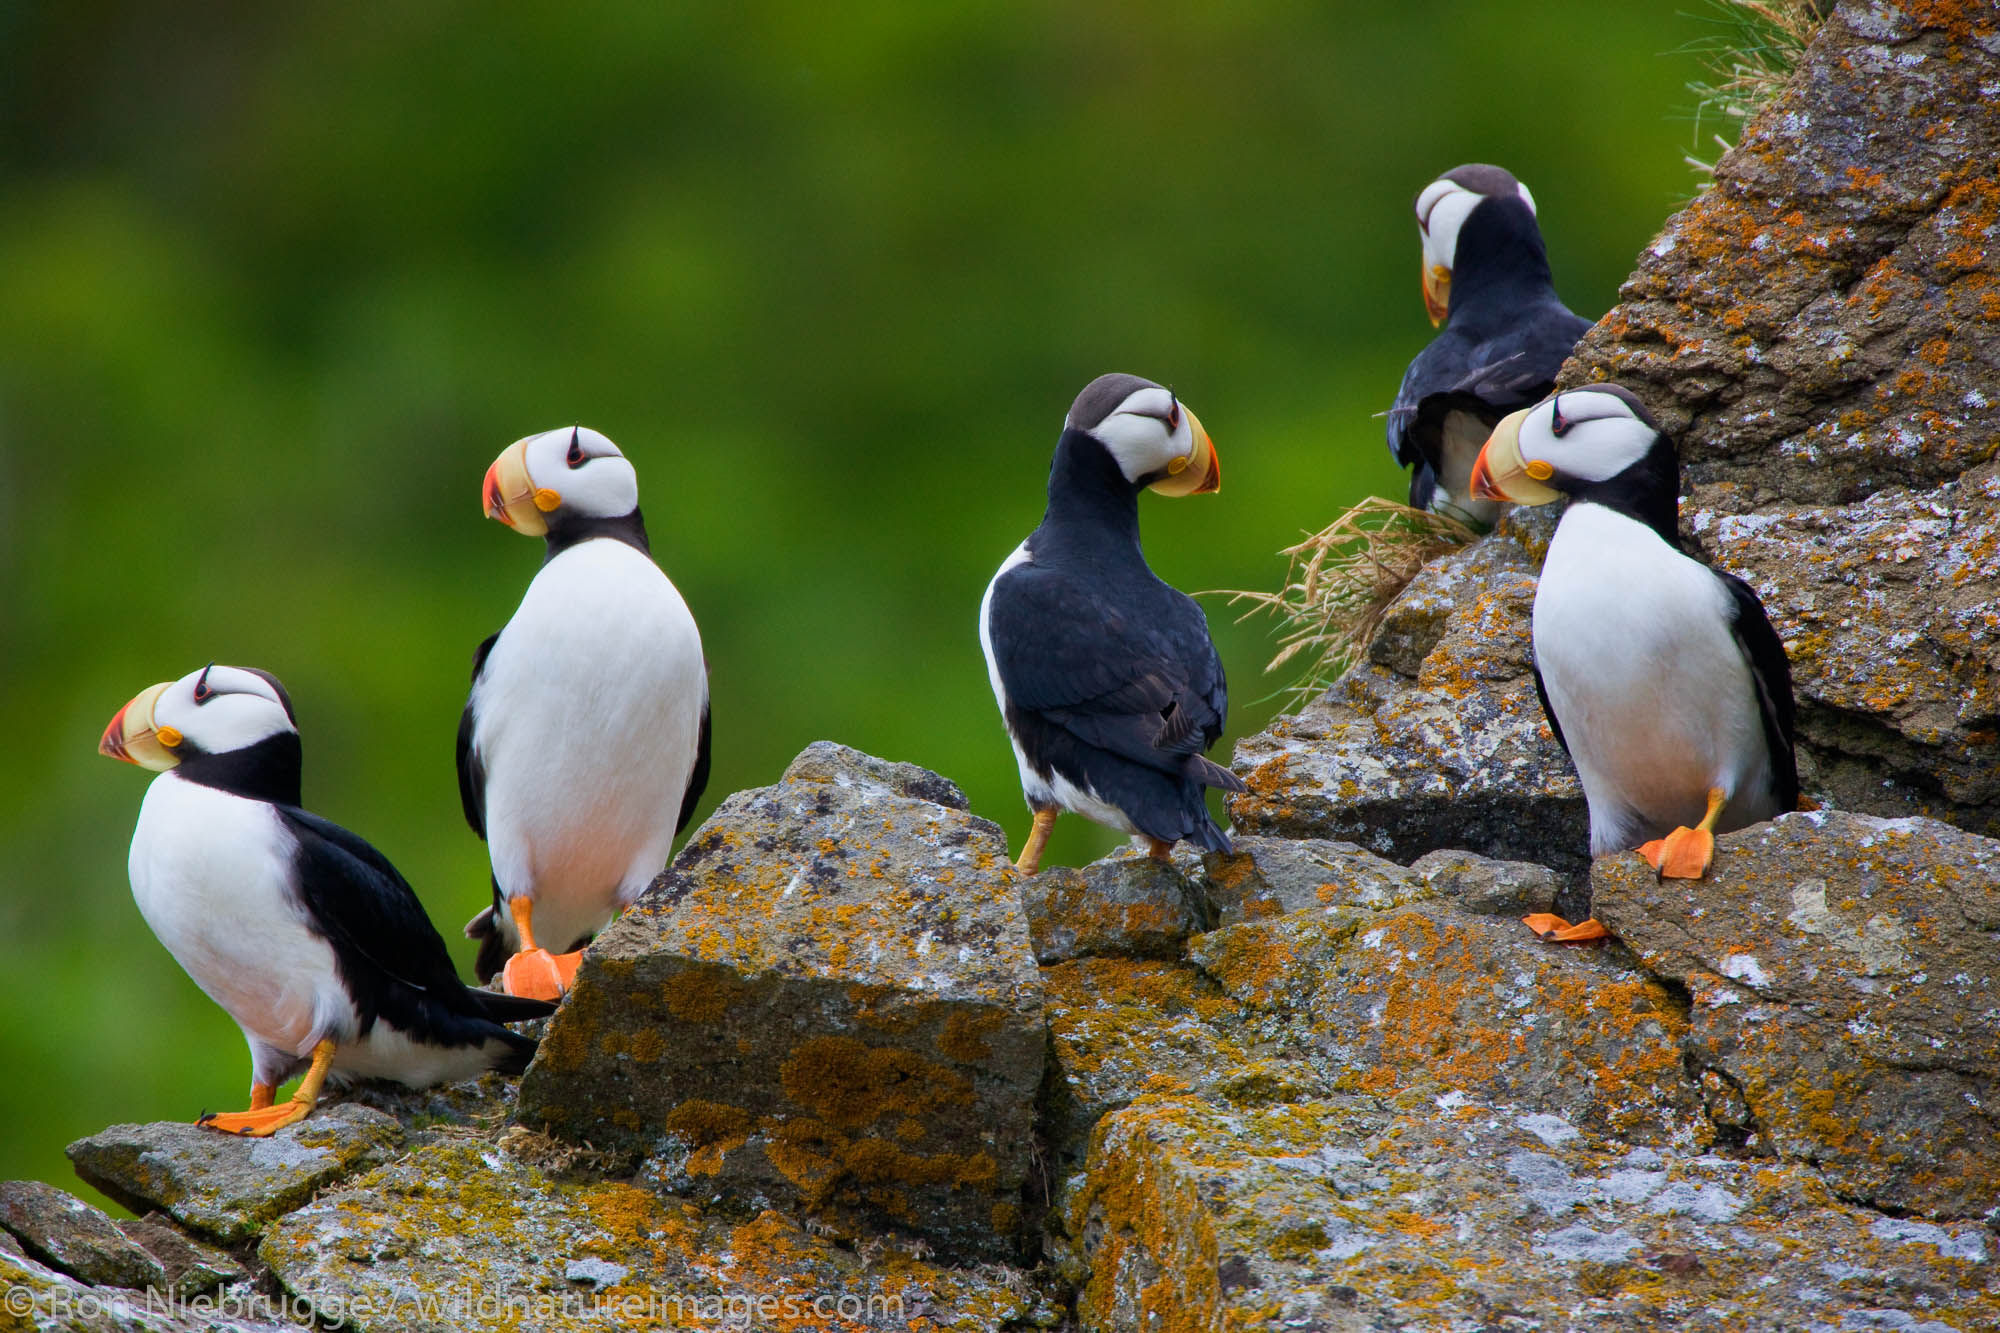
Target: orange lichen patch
x,y
1157,1261
702,993
966,1031
701,1123
852,1085
1864,181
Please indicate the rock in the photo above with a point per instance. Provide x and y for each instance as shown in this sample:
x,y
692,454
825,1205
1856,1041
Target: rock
x,y
1121,1028
228,1187
65,1232
189,1267
1264,876
33,1296
828,1003
1487,887
1437,739
1351,1214
461,1237
1125,905
1428,999
1819,330
1845,971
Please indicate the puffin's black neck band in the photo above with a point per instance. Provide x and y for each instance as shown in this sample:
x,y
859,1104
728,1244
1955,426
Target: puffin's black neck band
x,y
566,530
266,771
1088,491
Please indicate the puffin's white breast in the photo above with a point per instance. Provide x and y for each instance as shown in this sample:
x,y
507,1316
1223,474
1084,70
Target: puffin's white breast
x,y
586,718
212,875
1637,651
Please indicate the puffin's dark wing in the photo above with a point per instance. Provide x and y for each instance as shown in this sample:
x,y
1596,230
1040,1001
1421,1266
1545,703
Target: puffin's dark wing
x,y
1151,692
1548,709
1772,672
472,773
364,906
698,776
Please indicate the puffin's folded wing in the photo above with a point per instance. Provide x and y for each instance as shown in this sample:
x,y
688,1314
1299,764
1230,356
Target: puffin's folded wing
x,y
1771,670
471,772
366,909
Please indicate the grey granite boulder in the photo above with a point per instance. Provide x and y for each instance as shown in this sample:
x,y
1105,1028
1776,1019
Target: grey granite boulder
x,y
1353,1214
1845,974
228,1187
1124,905
66,1233
828,1003
1265,876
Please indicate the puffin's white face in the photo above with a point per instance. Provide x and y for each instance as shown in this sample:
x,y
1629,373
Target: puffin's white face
x,y
1442,208
574,469
215,710
1569,439
1152,435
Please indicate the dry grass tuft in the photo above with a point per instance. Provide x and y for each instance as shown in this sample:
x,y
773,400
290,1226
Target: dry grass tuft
x,y
1748,62
1340,582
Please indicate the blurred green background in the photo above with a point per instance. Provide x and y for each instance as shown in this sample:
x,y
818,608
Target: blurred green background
x,y
277,282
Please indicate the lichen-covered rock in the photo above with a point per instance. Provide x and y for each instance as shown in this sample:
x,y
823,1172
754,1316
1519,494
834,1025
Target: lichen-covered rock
x,y
1845,971
1482,885
189,1267
1120,1028
463,1237
1437,739
1820,330
1262,876
828,1003
229,1187
1126,905
1351,1215
35,1296
68,1234
1430,999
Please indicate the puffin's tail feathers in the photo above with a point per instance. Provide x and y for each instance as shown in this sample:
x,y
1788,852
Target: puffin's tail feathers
x,y
511,1052
1199,768
494,946
509,1008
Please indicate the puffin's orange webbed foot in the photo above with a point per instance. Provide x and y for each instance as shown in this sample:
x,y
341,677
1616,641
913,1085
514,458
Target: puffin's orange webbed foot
x,y
257,1124
537,974
1687,853
1552,929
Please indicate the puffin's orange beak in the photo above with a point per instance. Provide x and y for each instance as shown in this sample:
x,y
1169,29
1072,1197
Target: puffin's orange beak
x,y
511,496
1501,473
133,738
1200,473
1437,293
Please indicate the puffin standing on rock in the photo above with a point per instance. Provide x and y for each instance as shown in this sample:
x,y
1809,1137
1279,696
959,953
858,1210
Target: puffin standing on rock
x,y
583,747
1108,683
302,931
1661,677
1506,333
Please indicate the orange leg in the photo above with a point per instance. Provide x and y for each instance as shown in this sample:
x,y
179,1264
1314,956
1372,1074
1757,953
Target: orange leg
x,y
1686,853
1160,851
1038,838
534,972
263,1118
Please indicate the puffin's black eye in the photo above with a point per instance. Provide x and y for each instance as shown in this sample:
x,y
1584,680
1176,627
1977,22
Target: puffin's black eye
x,y
1556,423
575,448
202,693
1174,416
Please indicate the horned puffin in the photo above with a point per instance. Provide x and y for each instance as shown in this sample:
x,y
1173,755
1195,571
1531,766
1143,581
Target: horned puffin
x,y
301,930
584,743
1661,677
1107,681
1506,333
